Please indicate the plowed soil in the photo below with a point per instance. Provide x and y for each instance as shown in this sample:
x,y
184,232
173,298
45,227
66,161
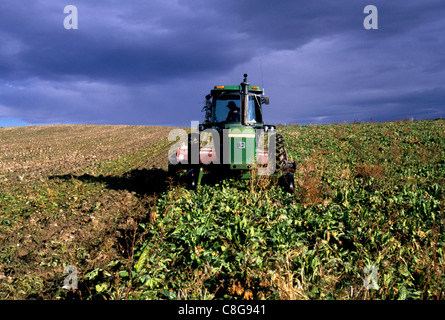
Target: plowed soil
x,y
69,194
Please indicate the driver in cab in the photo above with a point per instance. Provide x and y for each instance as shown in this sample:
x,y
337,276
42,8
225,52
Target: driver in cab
x,y
234,114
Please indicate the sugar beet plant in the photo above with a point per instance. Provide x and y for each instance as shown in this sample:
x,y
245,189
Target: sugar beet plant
x,y
366,221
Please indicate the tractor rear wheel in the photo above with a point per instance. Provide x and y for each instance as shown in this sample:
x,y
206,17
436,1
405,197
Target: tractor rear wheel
x,y
280,153
287,178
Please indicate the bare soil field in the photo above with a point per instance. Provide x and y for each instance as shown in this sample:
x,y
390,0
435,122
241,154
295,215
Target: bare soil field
x,y
41,150
67,194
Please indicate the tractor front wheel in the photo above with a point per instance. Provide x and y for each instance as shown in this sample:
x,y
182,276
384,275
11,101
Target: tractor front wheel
x,y
290,181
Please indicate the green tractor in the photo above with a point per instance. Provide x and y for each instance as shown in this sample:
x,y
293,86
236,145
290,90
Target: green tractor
x,y
233,139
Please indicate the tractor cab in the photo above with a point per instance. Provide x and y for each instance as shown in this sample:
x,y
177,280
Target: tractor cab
x,y
228,106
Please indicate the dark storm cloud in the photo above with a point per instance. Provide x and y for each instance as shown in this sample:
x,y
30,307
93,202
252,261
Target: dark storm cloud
x,y
147,41
117,42
153,62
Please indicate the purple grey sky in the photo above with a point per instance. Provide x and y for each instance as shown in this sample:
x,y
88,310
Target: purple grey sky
x,y
152,62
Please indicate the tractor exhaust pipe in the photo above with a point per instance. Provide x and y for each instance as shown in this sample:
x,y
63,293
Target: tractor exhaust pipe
x,y
245,92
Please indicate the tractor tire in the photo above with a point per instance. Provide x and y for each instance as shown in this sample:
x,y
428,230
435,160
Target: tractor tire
x,y
289,182
287,178
191,179
281,154
172,168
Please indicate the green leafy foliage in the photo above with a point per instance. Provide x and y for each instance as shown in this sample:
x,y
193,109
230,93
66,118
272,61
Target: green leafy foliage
x,y
368,195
